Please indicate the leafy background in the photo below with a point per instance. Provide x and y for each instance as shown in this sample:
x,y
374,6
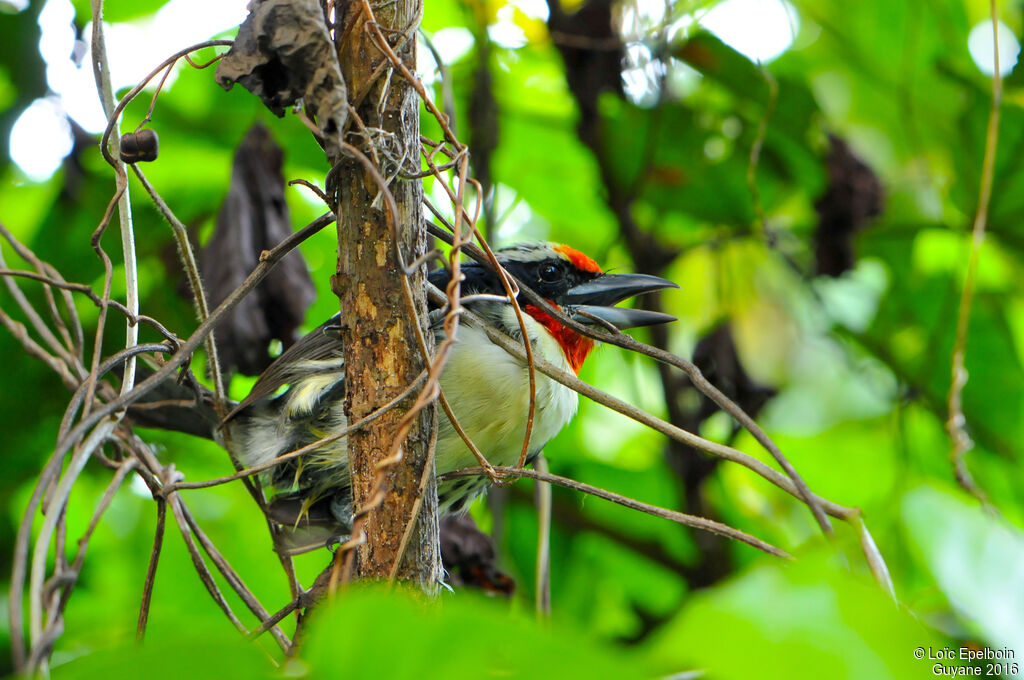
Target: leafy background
x,y
857,365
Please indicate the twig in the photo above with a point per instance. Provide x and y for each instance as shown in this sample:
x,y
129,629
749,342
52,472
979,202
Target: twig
x,y
956,425
630,411
77,343
233,579
256,469
691,370
39,554
191,267
20,333
71,572
119,358
99,426
511,287
55,345
19,565
542,499
154,560
267,261
447,93
200,565
873,556
101,68
678,517
275,619
93,297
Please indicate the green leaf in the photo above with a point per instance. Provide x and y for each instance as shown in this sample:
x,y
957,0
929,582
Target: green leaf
x,y
187,651
976,559
807,619
374,632
124,10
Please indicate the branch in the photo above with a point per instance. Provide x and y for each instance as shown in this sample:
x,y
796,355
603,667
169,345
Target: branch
x,y
956,425
678,517
793,485
630,411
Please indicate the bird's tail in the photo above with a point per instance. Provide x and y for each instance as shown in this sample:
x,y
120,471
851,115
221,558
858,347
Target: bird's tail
x,y
189,408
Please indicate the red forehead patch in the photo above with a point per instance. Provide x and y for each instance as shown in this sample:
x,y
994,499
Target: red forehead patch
x,y
579,260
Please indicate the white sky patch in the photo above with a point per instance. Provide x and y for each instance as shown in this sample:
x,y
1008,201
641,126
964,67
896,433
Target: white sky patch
x,y
518,221
762,30
979,44
853,298
642,16
40,139
134,48
426,66
759,29
535,9
439,197
505,32
452,43
638,87
139,488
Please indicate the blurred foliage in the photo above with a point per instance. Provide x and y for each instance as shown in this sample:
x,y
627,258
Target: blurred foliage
x,y
860,362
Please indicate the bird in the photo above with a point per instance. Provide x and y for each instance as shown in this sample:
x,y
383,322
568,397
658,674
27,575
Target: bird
x,y
299,399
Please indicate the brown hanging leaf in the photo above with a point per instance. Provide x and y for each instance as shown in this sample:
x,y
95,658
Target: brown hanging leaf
x,y
853,196
283,54
255,218
469,558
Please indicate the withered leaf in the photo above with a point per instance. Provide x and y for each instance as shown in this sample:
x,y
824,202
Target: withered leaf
x,y
255,218
853,196
284,54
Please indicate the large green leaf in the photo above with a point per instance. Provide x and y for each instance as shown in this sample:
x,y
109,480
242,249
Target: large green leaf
x,y
977,560
807,619
377,632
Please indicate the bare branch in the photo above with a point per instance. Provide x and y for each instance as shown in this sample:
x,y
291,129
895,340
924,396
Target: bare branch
x,y
154,560
956,425
678,517
691,370
542,499
626,409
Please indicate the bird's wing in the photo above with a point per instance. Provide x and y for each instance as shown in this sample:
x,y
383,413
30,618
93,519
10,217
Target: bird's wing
x,y
321,344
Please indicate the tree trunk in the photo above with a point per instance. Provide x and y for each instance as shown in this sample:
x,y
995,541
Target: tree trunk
x,y
382,352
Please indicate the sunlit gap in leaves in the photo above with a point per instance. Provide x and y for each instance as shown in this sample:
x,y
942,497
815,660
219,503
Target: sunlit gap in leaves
x,y
513,19
979,44
761,30
41,137
516,220
452,44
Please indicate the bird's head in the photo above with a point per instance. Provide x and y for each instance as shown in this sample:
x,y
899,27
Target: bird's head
x,y
575,284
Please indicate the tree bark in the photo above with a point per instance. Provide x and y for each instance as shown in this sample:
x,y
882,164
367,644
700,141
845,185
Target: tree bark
x,y
382,352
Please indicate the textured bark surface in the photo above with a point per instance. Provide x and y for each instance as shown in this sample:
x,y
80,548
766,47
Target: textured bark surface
x,y
381,349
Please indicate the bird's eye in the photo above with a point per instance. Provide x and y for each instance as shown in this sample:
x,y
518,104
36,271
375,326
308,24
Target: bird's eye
x,y
549,273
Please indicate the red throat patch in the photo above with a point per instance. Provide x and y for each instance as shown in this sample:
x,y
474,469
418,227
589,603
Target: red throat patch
x,y
575,346
578,259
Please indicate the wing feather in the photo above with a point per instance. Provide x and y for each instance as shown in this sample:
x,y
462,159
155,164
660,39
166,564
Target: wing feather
x,y
316,351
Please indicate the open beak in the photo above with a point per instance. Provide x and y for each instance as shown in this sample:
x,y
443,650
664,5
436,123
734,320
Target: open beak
x,y
598,297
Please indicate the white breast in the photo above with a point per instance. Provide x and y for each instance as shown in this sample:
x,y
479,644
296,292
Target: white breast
x,y
489,391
